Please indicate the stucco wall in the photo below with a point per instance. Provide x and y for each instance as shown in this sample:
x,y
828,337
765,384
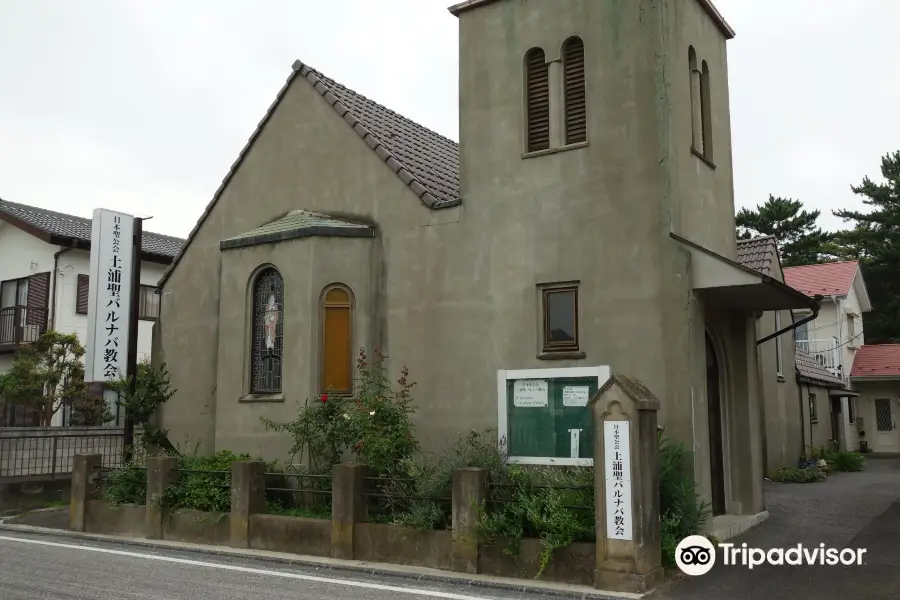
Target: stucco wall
x,y
307,157
460,286
307,267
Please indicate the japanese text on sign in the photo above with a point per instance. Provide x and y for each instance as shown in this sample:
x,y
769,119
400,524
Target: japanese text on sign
x,y
617,466
112,248
530,393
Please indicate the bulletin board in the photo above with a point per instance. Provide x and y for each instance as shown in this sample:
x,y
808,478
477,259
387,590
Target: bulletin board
x,y
543,414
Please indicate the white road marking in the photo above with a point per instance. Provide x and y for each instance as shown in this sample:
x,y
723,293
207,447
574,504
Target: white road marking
x,y
286,575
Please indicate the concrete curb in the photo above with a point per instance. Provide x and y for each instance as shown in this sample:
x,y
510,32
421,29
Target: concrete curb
x,y
554,590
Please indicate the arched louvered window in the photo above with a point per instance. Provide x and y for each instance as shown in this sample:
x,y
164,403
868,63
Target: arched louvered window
x,y
575,92
337,340
268,332
706,111
696,109
537,100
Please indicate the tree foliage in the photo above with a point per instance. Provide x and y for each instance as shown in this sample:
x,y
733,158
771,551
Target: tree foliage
x,y
874,240
152,389
48,374
800,241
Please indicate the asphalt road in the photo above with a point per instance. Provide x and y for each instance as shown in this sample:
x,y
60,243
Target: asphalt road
x,y
51,568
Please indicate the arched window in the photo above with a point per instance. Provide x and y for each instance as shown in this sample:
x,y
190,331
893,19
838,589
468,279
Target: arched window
x,y
575,93
537,100
268,332
696,109
706,111
337,340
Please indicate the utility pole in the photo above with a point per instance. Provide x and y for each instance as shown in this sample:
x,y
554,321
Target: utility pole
x,y
133,322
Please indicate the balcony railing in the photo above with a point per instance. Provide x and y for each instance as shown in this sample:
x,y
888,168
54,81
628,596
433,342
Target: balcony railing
x,y
825,352
22,324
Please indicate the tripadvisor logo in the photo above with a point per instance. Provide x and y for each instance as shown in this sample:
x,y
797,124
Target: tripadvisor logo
x,y
696,555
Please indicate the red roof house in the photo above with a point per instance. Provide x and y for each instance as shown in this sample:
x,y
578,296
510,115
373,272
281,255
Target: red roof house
x,y
828,279
878,361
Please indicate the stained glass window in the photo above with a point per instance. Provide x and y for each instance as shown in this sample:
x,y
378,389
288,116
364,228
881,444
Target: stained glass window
x,y
268,333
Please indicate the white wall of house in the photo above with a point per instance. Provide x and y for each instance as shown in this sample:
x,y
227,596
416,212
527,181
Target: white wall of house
x,y
23,255
839,324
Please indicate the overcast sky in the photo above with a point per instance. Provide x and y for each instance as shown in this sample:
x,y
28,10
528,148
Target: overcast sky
x,y
142,106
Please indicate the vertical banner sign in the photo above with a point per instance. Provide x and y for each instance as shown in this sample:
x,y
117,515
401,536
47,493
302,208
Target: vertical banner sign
x,y
617,466
109,296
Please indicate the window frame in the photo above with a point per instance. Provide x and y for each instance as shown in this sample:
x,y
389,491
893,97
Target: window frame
x,y
252,386
18,281
579,102
151,289
82,279
555,347
531,101
813,410
851,410
324,305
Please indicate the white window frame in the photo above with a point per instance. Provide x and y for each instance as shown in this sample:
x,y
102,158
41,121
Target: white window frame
x,y
602,373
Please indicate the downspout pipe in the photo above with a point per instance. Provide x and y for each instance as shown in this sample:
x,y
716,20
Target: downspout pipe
x,y
815,313
55,280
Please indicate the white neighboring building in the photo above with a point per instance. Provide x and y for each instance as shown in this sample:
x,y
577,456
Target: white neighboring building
x,y
44,268
834,338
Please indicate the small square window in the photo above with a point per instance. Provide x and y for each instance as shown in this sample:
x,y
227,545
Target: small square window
x,y
560,308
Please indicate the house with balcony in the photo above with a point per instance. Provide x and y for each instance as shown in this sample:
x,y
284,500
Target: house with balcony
x,y
831,340
875,376
44,279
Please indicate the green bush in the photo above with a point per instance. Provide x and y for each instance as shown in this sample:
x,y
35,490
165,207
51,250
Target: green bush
x,y
682,513
555,505
798,475
847,462
203,483
374,424
126,485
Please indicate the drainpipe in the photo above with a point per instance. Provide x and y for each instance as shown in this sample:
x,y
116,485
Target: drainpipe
x,y
55,277
793,326
802,422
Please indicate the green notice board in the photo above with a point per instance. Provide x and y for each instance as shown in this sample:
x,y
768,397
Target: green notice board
x,y
544,415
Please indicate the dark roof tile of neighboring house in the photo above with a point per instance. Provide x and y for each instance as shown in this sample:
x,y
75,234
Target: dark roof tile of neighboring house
x,y
829,279
425,161
758,253
63,227
808,368
877,360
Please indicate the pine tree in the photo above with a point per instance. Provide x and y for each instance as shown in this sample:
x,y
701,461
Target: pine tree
x,y
800,242
875,242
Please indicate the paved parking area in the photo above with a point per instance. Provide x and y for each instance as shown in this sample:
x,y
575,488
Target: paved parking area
x,y
849,510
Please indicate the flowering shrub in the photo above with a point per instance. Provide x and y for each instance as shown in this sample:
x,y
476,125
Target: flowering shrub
x,y
373,424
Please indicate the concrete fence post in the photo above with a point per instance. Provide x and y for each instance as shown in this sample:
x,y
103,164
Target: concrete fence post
x,y
469,491
348,507
160,475
626,487
248,497
85,473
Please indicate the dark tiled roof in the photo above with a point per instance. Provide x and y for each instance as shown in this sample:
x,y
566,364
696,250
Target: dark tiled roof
x,y
809,368
426,162
427,157
759,254
297,224
68,226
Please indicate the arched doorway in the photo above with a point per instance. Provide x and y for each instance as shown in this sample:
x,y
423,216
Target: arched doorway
x,y
716,447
